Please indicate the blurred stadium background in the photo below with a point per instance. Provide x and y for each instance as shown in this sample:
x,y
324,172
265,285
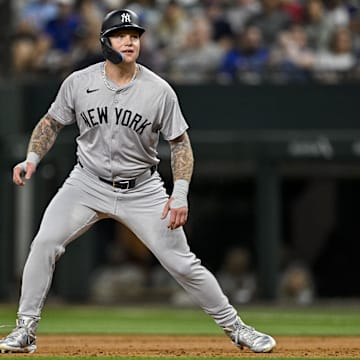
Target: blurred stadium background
x,y
275,198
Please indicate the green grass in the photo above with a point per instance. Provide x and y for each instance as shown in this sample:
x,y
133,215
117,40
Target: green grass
x,y
310,321
334,320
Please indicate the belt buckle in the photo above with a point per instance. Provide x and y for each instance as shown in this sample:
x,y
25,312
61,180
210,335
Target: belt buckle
x,y
123,184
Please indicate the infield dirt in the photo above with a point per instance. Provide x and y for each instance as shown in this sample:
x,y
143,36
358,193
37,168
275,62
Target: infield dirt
x,y
202,346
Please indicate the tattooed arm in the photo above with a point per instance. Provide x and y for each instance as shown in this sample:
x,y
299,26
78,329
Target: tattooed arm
x,y
44,135
182,163
42,139
182,160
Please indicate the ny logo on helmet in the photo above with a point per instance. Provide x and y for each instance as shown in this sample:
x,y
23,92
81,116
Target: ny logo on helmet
x,y
125,18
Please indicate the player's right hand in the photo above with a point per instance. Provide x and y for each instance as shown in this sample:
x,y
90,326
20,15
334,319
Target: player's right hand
x,y
23,171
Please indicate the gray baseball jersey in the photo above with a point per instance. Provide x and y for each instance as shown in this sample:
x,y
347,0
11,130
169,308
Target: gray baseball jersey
x,y
107,115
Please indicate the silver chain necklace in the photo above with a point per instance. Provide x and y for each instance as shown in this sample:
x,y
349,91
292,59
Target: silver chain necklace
x,y
107,83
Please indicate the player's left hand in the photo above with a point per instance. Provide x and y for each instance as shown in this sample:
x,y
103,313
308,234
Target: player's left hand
x,y
23,171
178,216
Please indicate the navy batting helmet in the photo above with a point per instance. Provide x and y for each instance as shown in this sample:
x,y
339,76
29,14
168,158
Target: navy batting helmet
x,y
113,21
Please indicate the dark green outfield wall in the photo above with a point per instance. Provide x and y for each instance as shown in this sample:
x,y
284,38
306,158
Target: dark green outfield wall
x,y
222,107
269,107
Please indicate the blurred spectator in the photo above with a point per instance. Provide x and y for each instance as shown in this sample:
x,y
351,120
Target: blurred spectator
x,y
58,38
61,30
127,271
199,57
336,13
110,5
221,28
240,12
36,13
91,15
292,59
185,3
24,46
236,276
29,22
295,9
171,31
335,63
354,25
271,20
120,279
247,61
196,41
149,14
86,52
297,285
86,49
316,24
150,55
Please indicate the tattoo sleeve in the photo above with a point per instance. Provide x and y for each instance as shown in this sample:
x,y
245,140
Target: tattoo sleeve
x,y
182,159
44,135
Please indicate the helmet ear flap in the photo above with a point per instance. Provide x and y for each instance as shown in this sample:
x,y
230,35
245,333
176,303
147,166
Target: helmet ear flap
x,y
108,52
105,40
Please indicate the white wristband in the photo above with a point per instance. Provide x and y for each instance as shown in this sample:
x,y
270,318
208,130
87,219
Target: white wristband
x,y
179,194
33,158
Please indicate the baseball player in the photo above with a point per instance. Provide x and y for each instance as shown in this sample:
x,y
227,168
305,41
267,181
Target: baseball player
x,y
120,108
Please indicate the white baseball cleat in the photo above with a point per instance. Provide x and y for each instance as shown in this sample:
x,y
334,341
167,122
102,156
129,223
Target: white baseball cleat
x,y
22,339
243,335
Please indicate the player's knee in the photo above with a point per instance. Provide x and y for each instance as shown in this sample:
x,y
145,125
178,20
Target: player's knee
x,y
47,247
181,271
185,270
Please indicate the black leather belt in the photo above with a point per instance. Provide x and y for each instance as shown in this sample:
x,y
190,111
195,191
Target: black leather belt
x,y
126,184
123,184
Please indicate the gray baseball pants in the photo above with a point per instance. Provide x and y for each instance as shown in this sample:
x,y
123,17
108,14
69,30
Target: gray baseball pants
x,y
82,201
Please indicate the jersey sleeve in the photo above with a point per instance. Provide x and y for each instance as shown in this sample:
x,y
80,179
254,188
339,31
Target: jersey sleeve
x,y
62,109
173,123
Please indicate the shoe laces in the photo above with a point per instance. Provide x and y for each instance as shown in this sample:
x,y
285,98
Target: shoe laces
x,y
247,332
17,333
23,329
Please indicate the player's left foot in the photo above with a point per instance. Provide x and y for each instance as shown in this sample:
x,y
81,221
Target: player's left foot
x,y
243,335
22,339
